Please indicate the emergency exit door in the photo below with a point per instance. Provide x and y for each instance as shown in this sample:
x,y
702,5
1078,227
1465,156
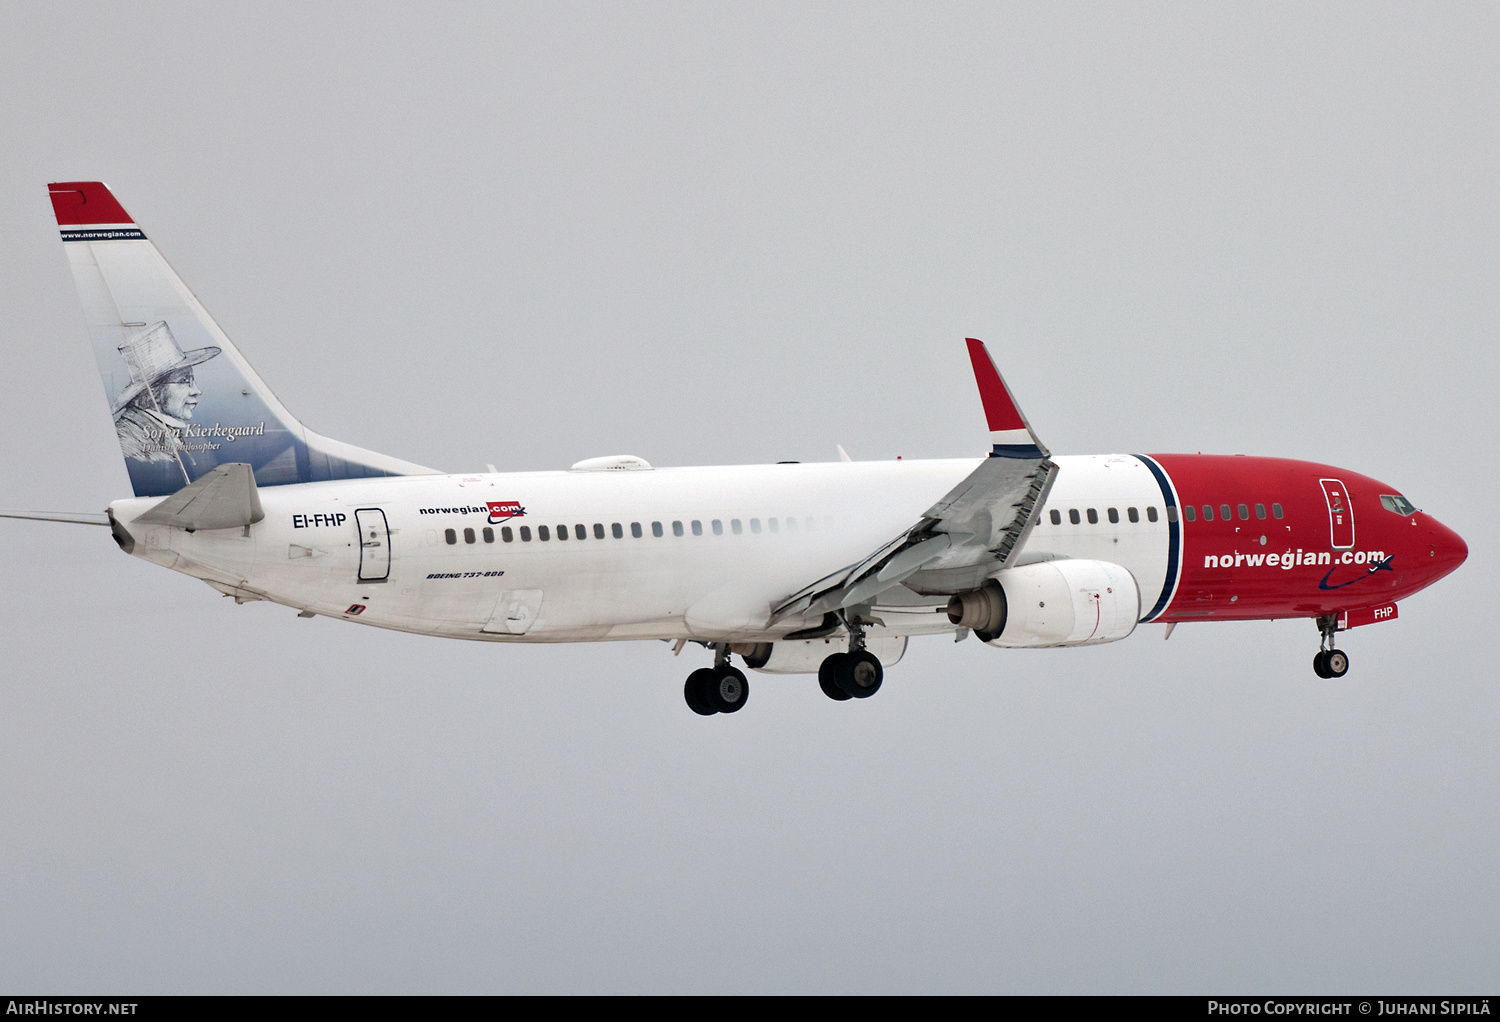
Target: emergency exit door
x,y
1340,514
374,545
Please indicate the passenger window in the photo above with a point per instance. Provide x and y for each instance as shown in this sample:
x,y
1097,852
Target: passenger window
x,y
1132,514
489,534
1276,511
677,528
1244,513
542,533
735,526
1208,512
525,534
1189,512
1260,511
580,532
656,529
1093,517
635,530
1151,514
468,535
771,524
755,525
598,530
718,527
1114,517
562,533
1225,514
617,531
506,534
450,536
1172,513
1073,515
812,524
1056,516
697,527
791,525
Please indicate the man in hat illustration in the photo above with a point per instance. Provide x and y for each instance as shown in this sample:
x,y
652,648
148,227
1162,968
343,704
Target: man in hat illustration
x,y
151,413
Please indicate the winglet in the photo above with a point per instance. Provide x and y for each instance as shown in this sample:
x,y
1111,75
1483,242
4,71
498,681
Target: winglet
x,y
1011,435
85,203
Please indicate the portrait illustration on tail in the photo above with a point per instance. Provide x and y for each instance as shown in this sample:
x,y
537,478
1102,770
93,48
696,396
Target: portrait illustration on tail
x,y
152,412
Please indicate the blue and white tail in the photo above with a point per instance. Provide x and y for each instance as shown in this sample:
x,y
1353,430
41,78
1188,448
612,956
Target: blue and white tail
x,y
184,399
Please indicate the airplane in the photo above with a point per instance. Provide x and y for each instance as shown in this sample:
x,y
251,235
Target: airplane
x,y
823,569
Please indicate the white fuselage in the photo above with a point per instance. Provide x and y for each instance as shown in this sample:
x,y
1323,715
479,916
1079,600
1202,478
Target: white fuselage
x,y
702,553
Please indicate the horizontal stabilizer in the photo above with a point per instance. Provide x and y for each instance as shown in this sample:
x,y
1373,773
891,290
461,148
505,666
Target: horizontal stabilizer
x,y
225,498
69,517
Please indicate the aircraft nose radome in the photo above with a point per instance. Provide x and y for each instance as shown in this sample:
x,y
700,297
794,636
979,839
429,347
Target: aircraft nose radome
x,y
1448,549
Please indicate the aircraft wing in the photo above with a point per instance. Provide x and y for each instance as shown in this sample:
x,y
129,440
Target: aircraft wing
x,y
975,530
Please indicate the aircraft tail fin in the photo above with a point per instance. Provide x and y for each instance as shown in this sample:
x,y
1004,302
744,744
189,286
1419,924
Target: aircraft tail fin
x,y
183,398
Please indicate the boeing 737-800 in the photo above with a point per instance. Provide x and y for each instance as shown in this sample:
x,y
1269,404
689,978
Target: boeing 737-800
x,y
822,569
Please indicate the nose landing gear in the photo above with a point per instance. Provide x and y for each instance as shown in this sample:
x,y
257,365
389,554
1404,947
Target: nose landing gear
x,y
717,689
1329,662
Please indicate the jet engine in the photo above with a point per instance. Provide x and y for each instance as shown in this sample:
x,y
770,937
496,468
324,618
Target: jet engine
x,y
1052,603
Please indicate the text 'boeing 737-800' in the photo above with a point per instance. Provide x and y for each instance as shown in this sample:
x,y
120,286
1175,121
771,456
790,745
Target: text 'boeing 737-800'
x,y
822,569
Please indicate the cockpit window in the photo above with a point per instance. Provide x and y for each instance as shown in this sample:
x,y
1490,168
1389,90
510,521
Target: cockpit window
x,y
1397,503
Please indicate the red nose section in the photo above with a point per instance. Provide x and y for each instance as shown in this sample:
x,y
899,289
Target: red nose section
x,y
1446,549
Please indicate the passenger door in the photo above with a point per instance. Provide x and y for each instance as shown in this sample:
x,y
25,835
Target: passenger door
x,y
1340,513
374,545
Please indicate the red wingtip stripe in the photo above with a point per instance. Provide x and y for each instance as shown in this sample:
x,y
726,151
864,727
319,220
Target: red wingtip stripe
x,y
999,410
80,203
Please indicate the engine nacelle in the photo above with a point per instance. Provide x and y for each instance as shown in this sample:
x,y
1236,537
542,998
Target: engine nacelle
x,y
1053,603
803,656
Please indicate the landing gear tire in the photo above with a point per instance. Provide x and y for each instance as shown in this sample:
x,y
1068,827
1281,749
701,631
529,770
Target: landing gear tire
x,y
1331,663
728,690
828,676
860,674
696,691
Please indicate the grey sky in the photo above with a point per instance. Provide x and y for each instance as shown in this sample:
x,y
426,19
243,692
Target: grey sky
x,y
714,234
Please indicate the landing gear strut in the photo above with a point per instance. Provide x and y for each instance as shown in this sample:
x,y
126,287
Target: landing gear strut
x,y
1329,662
856,674
717,689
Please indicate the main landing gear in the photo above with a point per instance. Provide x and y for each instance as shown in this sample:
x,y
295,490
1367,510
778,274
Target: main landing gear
x,y
856,674
1329,662
721,688
717,689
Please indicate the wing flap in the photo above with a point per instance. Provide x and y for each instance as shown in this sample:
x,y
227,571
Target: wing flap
x,y
981,522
